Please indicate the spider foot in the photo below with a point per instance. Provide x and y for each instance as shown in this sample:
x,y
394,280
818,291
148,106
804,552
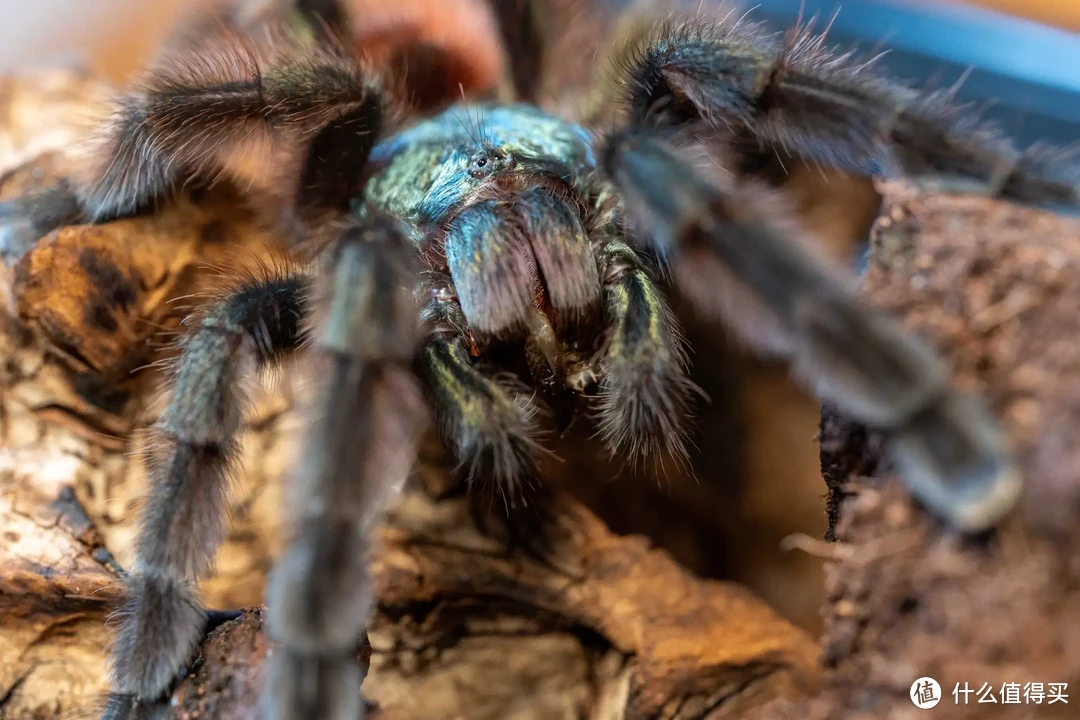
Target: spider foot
x,y
158,637
121,706
950,455
128,706
298,686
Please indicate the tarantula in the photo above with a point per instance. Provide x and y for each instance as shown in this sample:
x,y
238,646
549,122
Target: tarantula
x,y
490,237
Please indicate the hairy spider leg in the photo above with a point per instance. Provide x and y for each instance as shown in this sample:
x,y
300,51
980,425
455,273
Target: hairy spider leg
x,y
644,398
795,94
946,445
291,118
189,459
363,428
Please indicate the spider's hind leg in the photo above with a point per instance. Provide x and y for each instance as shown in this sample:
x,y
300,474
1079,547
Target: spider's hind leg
x,y
190,456
947,446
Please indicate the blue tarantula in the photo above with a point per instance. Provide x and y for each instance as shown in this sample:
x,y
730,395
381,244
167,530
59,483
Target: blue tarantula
x,y
476,241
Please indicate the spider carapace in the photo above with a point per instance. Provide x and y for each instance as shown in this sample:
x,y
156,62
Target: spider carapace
x,y
505,205
489,257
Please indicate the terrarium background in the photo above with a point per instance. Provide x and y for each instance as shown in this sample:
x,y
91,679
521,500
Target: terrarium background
x,y
115,35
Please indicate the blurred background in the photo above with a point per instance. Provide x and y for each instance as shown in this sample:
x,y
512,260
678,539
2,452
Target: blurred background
x,y
1024,54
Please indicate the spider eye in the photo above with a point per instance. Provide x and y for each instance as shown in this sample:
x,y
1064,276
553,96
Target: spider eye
x,y
481,166
487,162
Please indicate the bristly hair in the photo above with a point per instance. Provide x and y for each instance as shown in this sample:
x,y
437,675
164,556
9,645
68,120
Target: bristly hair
x,y
644,40
487,420
644,408
644,396
794,95
250,106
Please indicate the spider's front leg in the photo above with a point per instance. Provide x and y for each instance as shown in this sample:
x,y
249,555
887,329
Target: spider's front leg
x,y
947,446
193,445
644,391
359,445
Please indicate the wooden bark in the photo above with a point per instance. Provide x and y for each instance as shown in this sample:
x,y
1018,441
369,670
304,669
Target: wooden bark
x,y
595,626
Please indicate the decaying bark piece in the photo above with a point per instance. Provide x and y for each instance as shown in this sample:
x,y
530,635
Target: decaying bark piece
x,y
594,626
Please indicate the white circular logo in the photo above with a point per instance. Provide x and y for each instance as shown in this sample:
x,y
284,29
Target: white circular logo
x,y
925,693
